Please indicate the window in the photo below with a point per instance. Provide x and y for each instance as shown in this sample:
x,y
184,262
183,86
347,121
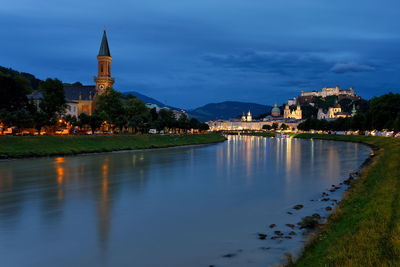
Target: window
x,y
101,67
109,69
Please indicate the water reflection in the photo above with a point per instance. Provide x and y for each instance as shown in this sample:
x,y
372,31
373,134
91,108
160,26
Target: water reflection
x,y
188,206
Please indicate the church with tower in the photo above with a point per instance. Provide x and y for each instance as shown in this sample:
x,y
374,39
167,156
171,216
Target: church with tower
x,y
81,98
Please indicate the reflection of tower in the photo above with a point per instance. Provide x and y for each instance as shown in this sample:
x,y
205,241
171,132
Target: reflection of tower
x,y
103,79
104,206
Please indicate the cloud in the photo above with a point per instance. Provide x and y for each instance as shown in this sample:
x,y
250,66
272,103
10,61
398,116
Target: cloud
x,y
351,67
284,63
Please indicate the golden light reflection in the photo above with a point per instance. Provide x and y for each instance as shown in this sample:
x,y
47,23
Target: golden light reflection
x,y
288,155
58,164
104,205
105,177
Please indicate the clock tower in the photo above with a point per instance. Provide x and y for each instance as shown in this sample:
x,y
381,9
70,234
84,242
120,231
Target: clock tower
x,y
103,78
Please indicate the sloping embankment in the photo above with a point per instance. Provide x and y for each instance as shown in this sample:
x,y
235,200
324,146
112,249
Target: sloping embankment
x,y
365,229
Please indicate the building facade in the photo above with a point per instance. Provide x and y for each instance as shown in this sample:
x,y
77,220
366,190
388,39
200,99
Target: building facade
x,y
309,97
275,111
249,117
333,113
83,97
329,91
237,125
292,114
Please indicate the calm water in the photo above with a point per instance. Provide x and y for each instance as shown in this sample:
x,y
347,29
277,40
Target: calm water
x,y
173,207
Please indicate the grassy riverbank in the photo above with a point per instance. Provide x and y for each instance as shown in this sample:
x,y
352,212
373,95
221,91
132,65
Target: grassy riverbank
x,y
365,229
37,146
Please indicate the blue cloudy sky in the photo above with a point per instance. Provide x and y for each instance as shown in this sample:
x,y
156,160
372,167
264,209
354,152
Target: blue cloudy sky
x,y
191,52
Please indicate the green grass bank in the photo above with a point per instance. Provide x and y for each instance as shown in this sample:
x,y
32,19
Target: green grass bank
x,y
365,229
38,146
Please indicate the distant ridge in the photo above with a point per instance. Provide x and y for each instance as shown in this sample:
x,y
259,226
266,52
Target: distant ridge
x,y
147,99
228,109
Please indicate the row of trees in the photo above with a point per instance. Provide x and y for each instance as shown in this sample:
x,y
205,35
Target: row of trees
x,y
129,113
18,111
275,126
117,110
381,113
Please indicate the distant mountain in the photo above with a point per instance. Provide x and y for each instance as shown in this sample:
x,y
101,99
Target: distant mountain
x,y
147,99
228,109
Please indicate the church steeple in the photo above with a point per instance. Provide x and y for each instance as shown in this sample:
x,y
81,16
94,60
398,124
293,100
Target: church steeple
x,y
104,49
103,78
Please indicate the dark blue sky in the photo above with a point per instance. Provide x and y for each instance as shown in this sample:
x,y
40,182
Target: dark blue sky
x,y
191,52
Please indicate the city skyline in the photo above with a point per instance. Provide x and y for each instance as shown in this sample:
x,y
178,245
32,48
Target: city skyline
x,y
191,54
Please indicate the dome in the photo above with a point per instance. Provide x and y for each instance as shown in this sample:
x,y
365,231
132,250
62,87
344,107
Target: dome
x,y
275,112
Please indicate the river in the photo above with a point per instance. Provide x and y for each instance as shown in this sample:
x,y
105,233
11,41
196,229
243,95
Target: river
x,y
192,206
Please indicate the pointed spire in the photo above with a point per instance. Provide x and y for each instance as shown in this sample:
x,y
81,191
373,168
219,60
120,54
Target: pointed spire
x,y
104,50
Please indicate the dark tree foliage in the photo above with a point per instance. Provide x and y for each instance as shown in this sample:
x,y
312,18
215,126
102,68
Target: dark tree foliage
x,y
110,102
346,105
309,111
380,113
14,105
383,111
267,127
137,114
31,81
13,93
284,126
94,121
53,104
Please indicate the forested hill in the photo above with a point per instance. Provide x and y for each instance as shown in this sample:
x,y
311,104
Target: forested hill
x,y
228,109
147,99
33,82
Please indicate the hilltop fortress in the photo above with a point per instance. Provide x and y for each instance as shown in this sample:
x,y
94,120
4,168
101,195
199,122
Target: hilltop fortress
x,y
309,97
328,91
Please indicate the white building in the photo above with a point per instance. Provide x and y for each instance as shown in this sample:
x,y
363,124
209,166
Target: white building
x,y
329,91
295,114
72,109
232,125
334,112
249,117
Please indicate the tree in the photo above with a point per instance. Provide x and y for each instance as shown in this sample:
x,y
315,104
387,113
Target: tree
x,y
13,93
284,126
275,126
267,127
194,124
94,121
137,114
309,111
110,102
183,122
166,119
204,127
396,123
383,111
346,105
71,120
53,104
14,104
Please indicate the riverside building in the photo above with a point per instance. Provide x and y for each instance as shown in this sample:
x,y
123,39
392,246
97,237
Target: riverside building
x,y
81,98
